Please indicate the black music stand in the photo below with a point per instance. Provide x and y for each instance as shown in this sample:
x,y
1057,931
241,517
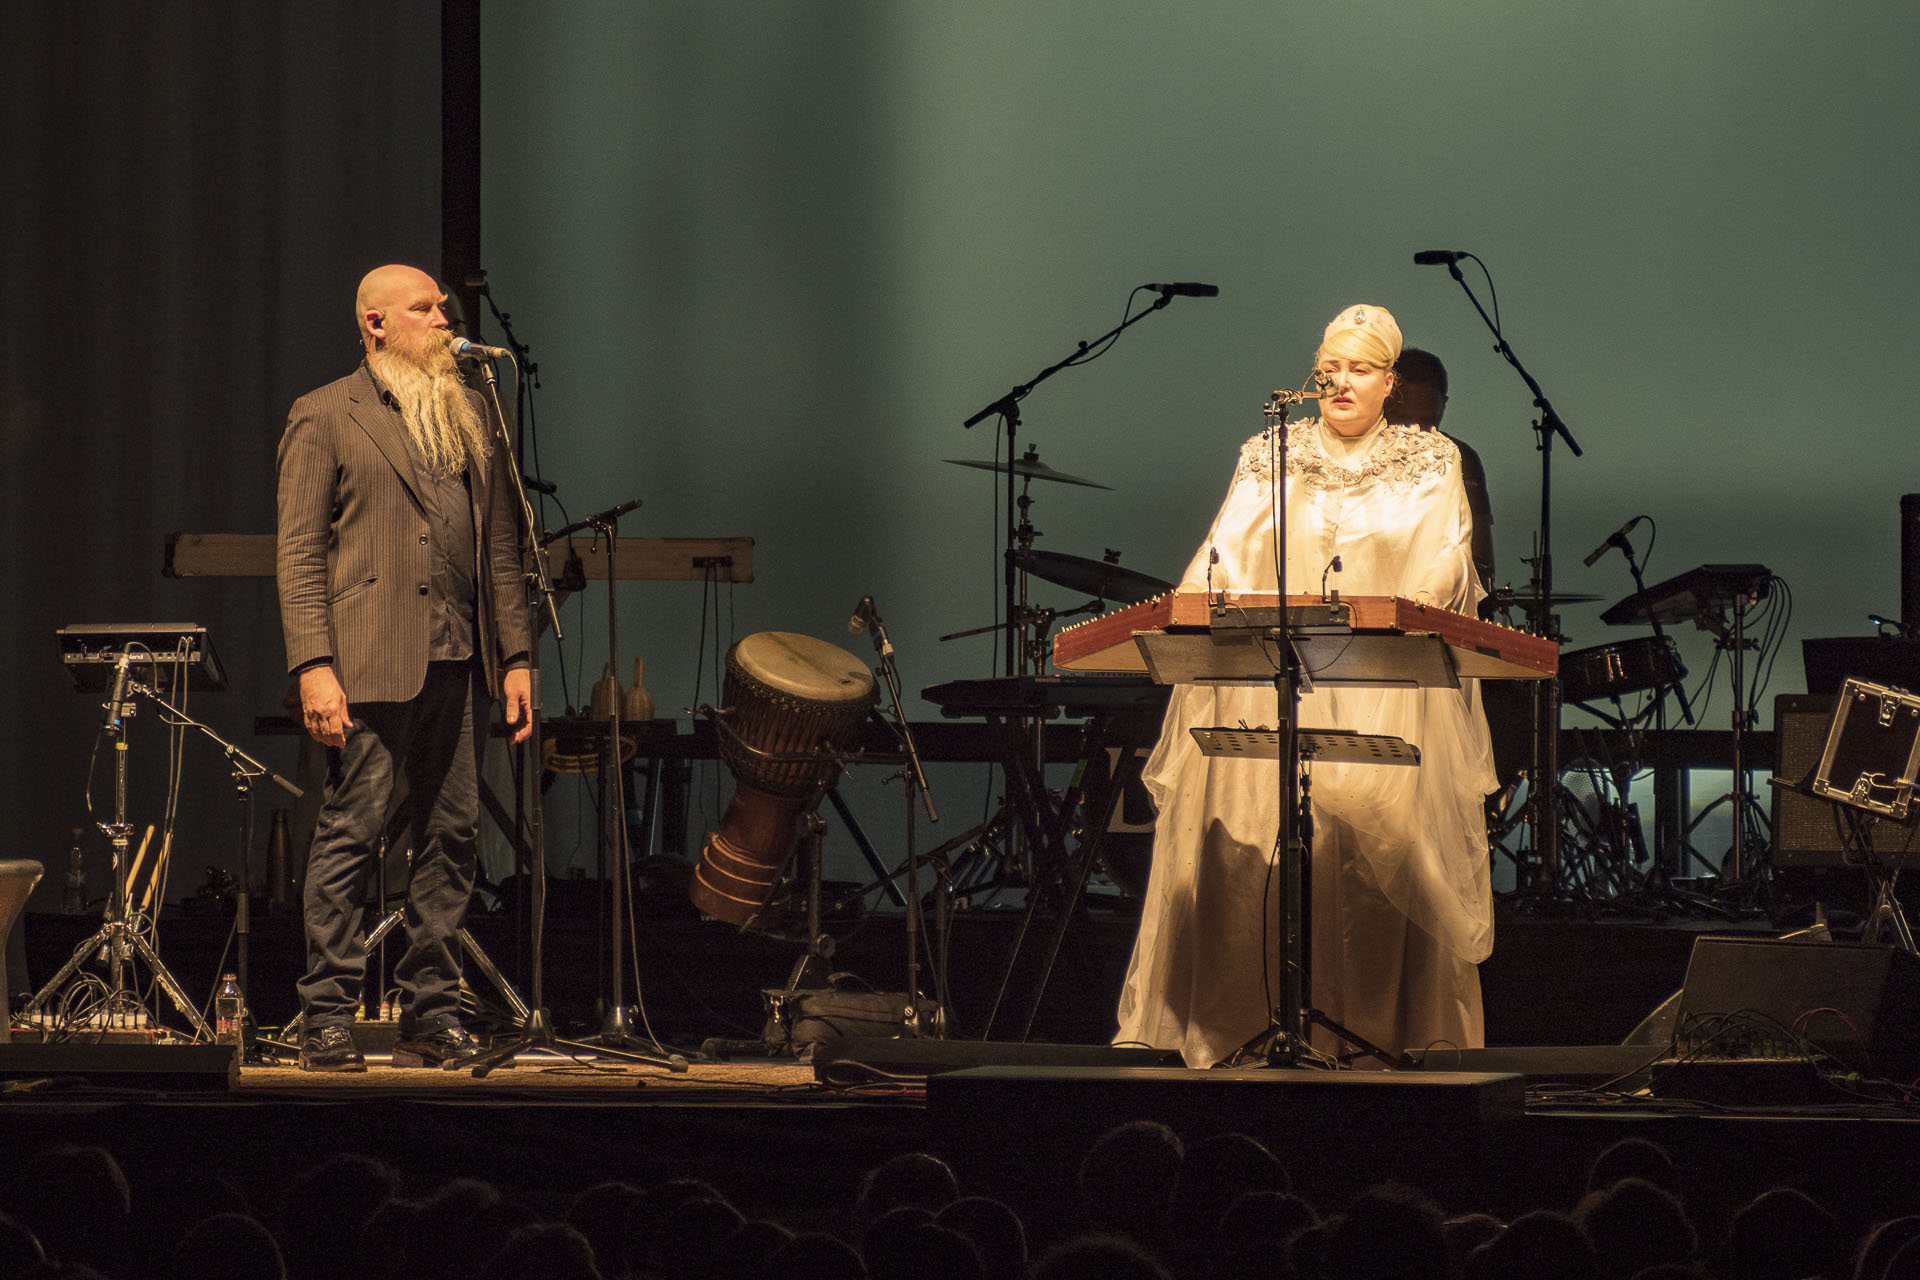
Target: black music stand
x,y
1329,746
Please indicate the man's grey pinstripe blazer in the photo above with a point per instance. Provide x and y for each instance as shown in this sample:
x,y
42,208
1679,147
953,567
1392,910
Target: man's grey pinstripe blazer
x,y
354,557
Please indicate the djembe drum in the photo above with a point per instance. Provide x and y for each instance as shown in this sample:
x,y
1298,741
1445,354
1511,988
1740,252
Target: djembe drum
x,y
789,700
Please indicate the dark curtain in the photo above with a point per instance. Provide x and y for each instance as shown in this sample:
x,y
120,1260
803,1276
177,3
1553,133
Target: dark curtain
x,y
191,192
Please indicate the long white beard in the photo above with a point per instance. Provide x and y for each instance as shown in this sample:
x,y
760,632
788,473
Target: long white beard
x,y
433,403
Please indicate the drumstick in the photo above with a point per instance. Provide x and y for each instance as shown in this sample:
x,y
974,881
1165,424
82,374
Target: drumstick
x,y
133,872
160,865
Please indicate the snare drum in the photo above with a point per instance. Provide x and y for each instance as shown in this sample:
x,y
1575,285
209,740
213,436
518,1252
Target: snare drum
x,y
789,697
1615,670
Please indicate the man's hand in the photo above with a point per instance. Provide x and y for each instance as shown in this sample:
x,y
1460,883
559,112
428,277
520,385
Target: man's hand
x,y
516,687
324,704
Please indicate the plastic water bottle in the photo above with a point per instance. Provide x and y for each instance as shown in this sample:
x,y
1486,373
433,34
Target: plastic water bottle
x,y
229,1012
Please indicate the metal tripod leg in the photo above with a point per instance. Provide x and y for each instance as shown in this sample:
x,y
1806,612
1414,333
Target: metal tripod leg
x,y
470,950
116,937
1886,915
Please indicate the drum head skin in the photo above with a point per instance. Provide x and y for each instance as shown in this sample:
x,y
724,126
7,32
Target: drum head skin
x,y
804,667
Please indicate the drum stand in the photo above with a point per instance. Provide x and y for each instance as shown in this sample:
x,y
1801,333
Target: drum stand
x,y
812,970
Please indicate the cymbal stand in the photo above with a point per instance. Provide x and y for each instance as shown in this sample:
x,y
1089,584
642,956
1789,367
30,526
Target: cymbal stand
x,y
116,940
1544,792
537,1032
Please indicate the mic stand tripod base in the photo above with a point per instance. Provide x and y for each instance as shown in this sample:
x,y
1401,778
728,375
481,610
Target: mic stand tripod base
x,y
537,1033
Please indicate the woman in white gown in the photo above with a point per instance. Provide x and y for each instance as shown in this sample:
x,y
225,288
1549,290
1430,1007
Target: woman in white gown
x,y
1401,906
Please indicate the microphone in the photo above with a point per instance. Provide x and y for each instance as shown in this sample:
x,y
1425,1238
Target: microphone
x,y
1618,538
1323,384
1439,257
467,349
1184,289
1879,621
1333,566
862,614
119,689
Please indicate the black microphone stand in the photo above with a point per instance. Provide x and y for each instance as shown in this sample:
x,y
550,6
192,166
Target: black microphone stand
x,y
537,1032
615,1029
1287,1041
1014,579
1544,802
916,776
246,772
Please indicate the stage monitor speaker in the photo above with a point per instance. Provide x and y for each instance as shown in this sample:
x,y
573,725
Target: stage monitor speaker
x,y
1805,833
1859,1003
167,1068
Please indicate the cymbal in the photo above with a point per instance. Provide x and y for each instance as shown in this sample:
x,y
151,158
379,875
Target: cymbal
x,y
1030,466
1101,578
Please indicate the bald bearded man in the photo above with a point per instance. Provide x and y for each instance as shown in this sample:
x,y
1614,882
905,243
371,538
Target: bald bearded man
x,y
403,606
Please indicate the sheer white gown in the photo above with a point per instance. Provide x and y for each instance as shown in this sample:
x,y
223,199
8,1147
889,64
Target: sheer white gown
x,y
1401,905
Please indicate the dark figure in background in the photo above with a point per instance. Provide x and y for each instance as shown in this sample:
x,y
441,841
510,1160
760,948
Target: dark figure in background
x,y
1420,397
402,602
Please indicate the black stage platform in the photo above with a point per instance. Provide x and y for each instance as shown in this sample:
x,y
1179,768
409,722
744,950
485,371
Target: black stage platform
x,y
1497,1134
782,1146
